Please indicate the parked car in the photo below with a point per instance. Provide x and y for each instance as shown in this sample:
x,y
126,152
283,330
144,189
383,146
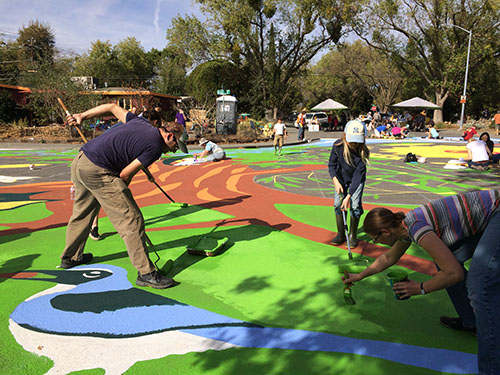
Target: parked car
x,y
322,118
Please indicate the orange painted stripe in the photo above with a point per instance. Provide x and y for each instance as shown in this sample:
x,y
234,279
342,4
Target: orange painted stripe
x,y
157,191
211,173
206,196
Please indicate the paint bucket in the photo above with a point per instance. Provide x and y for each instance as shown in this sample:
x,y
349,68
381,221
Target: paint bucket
x,y
397,276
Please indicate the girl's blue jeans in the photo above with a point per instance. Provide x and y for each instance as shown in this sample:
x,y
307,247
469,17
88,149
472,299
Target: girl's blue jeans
x,y
356,205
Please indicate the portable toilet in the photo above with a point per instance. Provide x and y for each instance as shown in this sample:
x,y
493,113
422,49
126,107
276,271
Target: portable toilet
x,y
225,115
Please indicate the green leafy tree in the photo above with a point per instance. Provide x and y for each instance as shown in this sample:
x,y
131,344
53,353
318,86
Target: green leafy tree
x,y
416,36
207,77
37,42
332,78
100,62
125,64
50,81
135,68
273,39
381,80
9,62
169,71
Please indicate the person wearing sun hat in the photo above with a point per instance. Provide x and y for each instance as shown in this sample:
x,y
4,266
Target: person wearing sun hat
x,y
211,150
347,168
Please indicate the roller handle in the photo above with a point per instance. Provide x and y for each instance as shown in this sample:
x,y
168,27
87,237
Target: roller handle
x,y
69,114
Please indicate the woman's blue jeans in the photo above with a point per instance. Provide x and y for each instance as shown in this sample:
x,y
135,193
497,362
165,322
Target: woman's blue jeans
x,y
477,298
356,205
483,285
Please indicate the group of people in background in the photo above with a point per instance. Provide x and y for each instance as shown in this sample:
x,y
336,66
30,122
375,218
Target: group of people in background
x,y
480,152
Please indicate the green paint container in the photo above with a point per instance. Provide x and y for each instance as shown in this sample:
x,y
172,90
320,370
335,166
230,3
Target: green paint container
x,y
397,276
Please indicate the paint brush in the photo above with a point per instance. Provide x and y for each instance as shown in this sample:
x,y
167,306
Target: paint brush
x,y
347,292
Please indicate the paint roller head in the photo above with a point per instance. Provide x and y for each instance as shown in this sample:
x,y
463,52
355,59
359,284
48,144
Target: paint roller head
x,y
179,204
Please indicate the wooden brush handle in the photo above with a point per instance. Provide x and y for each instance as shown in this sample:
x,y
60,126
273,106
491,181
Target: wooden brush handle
x,y
69,114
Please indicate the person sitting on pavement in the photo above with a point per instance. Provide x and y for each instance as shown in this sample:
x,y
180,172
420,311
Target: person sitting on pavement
x,y
432,133
469,133
212,151
101,174
485,137
478,155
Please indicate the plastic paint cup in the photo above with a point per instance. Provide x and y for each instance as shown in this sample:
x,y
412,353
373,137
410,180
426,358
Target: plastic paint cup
x,y
397,276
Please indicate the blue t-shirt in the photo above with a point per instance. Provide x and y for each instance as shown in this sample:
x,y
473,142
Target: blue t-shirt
x,y
119,146
382,128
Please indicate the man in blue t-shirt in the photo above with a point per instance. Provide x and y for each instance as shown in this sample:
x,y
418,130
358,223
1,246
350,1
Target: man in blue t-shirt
x,y
101,173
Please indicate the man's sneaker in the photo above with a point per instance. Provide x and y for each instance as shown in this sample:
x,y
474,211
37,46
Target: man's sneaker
x,y
69,263
154,280
94,234
455,323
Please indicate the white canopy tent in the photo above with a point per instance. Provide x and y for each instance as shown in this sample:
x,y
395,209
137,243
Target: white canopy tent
x,y
328,105
416,102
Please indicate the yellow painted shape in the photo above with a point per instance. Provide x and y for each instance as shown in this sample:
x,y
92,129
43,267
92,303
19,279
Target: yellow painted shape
x,y
238,170
164,176
211,173
398,151
157,191
10,166
232,182
15,204
203,194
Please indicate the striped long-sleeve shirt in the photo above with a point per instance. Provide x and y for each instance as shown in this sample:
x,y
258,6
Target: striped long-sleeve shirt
x,y
453,218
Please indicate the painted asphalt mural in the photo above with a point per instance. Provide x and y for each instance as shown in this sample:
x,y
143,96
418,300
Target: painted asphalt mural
x,y
270,303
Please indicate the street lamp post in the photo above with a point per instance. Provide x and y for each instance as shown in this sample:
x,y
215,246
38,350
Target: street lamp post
x,y
464,96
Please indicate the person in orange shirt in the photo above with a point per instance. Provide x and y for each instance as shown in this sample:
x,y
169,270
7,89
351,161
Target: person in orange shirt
x,y
497,121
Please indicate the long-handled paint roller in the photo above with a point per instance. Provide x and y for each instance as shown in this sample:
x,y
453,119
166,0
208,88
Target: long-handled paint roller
x,y
69,114
169,264
152,179
346,229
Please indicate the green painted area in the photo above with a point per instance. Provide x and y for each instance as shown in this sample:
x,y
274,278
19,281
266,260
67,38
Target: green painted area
x,y
25,214
41,156
324,217
245,361
264,276
424,177
88,372
265,158
162,215
256,279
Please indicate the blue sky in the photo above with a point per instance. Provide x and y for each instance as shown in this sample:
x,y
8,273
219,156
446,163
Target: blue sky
x,y
76,24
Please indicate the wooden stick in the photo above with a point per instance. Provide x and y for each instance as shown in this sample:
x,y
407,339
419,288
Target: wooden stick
x,y
69,114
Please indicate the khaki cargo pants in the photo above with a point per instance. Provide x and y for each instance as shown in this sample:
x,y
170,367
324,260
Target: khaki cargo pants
x,y
97,187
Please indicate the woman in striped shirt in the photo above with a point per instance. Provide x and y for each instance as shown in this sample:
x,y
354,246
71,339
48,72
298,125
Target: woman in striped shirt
x,y
452,230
